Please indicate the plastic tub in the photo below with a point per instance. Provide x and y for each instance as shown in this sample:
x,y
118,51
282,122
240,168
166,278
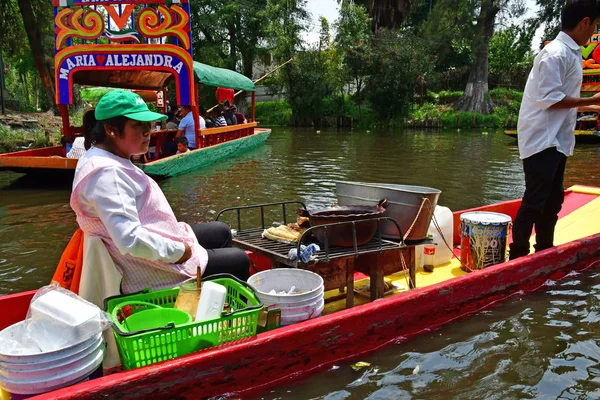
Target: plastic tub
x,y
155,318
294,307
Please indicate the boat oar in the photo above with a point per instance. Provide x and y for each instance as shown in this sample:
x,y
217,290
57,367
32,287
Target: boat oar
x,y
256,81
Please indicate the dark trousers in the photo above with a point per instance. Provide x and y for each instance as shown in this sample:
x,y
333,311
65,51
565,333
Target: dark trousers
x,y
215,237
542,201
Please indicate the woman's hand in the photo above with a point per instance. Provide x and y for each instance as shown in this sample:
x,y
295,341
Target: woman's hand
x,y
187,254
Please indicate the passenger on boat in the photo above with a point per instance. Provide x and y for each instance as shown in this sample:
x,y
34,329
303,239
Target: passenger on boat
x,y
218,117
187,127
77,149
240,118
116,201
546,125
182,145
228,114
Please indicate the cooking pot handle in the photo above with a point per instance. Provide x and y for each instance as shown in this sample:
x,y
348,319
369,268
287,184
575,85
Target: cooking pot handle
x,y
383,203
303,212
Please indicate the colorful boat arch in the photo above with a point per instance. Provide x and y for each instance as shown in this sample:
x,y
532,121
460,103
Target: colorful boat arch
x,y
101,59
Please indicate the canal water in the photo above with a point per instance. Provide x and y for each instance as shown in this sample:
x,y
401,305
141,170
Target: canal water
x,y
543,345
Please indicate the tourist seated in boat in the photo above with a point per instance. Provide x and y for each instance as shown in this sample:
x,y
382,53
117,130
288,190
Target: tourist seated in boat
x,y
172,121
218,117
187,127
240,118
228,114
182,145
77,147
119,203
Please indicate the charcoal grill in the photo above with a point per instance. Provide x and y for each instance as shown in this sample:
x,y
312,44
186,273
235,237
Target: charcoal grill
x,y
336,265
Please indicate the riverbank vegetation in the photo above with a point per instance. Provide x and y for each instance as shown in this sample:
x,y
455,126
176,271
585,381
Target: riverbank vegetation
x,y
452,63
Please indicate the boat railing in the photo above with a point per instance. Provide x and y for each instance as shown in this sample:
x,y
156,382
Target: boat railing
x,y
213,136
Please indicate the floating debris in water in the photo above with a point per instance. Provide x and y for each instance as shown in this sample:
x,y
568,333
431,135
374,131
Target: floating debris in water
x,y
416,370
360,365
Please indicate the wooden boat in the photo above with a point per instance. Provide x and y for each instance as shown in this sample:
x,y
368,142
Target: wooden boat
x,y
141,57
276,356
581,136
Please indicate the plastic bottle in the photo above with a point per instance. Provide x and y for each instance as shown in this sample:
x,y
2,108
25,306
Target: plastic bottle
x,y
429,256
443,216
212,300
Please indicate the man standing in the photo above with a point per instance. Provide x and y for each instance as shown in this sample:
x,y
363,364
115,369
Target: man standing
x,y
547,122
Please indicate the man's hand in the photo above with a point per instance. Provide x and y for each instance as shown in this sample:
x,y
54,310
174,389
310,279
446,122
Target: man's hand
x,y
187,254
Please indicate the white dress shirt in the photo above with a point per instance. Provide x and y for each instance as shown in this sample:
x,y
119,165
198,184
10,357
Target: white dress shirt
x,y
557,72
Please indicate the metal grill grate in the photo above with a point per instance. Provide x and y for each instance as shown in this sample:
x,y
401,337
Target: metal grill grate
x,y
252,239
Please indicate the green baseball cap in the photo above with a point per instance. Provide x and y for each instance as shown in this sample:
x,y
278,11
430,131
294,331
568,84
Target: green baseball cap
x,y
124,103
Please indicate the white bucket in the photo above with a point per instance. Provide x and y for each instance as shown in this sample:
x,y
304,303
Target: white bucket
x,y
294,307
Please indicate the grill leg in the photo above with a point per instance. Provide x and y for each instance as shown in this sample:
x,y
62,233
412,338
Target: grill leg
x,y
376,282
350,284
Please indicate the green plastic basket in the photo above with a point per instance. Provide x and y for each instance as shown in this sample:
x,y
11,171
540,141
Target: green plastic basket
x,y
138,349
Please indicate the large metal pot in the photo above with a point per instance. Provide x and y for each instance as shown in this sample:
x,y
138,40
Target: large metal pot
x,y
341,235
411,206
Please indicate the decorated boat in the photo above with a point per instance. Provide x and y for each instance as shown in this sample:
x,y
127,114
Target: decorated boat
x,y
141,45
420,301
587,128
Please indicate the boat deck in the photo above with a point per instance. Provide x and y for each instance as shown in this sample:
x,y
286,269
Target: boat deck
x,y
579,217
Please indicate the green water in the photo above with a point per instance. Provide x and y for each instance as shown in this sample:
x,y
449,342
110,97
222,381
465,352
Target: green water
x,y
544,345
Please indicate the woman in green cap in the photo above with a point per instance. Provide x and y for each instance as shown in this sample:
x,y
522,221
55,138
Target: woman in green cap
x,y
115,200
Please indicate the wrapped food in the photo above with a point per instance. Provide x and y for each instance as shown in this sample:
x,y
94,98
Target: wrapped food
x,y
283,234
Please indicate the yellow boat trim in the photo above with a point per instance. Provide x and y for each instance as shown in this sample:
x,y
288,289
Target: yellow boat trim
x,y
585,189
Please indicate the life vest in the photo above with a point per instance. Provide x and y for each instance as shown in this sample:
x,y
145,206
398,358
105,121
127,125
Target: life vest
x,y
68,271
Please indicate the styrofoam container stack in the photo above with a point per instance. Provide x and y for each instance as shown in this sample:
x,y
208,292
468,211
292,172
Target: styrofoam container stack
x,y
306,302
59,344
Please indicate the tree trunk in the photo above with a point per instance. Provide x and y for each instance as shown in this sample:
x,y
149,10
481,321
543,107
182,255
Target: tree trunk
x,y
43,62
475,97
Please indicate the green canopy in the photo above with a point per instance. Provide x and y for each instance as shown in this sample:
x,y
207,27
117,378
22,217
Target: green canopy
x,y
221,77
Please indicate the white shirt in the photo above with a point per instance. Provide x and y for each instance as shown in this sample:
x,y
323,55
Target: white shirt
x,y
187,126
202,123
557,72
78,148
112,196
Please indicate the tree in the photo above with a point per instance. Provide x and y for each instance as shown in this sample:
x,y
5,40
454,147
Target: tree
x,y
389,14
353,42
311,89
288,19
510,52
324,36
475,97
396,70
38,23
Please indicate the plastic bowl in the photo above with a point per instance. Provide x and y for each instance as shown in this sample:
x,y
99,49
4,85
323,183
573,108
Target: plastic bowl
x,y
156,318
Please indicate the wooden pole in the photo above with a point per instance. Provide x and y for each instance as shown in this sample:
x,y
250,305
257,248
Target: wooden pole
x,y
256,81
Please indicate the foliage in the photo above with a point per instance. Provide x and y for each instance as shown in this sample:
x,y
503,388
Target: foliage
x,y
395,72
511,57
19,139
353,43
274,113
306,96
449,96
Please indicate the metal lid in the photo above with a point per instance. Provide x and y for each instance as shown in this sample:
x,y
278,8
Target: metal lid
x,y
485,217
